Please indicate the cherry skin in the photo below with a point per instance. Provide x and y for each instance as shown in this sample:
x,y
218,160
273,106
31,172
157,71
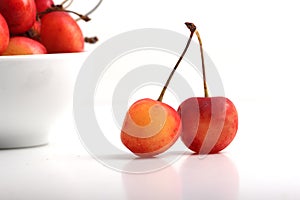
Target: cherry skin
x,y
209,124
60,33
4,34
43,5
35,31
19,14
150,127
20,45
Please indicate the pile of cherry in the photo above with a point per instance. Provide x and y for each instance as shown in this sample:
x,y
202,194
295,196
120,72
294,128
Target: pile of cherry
x,y
38,27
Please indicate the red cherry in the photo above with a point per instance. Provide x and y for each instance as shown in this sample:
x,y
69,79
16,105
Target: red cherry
x,y
35,31
20,45
4,34
209,124
60,33
19,14
43,5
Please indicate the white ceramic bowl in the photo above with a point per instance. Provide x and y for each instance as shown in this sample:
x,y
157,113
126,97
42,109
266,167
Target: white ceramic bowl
x,y
35,91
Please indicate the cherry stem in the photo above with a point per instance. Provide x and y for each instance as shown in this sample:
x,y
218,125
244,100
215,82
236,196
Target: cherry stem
x,y
61,9
203,65
192,28
91,11
83,17
64,2
91,40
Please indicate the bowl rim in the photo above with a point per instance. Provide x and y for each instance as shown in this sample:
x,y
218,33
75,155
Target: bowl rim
x,y
41,56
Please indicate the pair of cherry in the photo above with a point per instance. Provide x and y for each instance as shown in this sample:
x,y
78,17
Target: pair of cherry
x,y
205,124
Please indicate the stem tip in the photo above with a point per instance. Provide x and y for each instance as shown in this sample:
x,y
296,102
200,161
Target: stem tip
x,y
191,26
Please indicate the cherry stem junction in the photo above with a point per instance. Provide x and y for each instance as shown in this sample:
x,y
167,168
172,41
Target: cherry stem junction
x,y
203,65
192,28
61,9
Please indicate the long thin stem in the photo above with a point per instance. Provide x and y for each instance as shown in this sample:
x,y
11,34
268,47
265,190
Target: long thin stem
x,y
203,65
192,28
64,2
59,8
93,9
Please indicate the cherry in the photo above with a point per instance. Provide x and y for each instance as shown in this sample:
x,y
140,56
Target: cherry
x,y
60,33
4,34
20,45
209,124
151,126
35,31
43,5
20,15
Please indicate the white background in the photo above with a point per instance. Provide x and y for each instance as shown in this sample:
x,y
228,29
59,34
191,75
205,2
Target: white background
x,y
255,46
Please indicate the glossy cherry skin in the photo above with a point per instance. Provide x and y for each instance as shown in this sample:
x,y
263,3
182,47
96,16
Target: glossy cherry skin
x,y
19,14
150,127
4,34
60,33
20,45
208,124
43,5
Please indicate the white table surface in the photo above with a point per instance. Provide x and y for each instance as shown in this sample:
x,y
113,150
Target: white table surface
x,y
257,165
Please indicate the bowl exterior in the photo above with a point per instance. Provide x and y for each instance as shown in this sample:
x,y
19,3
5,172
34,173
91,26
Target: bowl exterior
x,y
34,93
